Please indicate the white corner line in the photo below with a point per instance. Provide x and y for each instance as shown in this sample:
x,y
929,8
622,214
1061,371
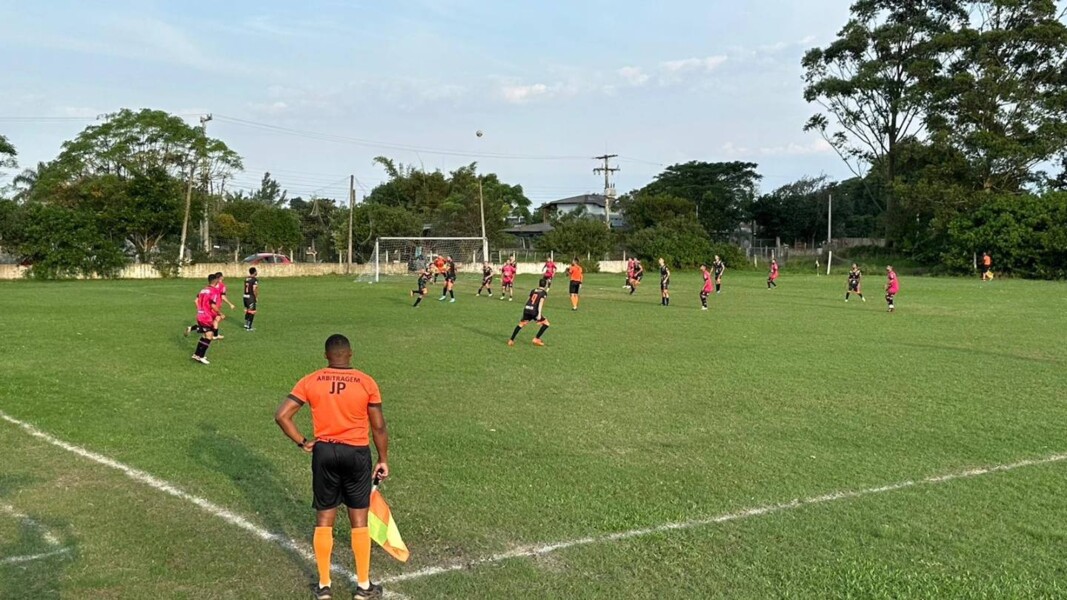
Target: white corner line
x,y
49,537
543,549
18,560
167,488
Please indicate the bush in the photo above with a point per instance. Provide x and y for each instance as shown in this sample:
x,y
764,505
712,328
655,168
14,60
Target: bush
x,y
574,235
733,256
681,242
63,243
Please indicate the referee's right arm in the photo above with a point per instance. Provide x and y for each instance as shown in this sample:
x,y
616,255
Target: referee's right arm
x,y
380,434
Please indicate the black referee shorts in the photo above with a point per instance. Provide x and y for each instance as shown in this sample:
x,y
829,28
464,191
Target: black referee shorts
x,y
340,474
576,287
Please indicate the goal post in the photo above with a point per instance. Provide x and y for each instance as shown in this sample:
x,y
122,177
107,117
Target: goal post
x,y
408,255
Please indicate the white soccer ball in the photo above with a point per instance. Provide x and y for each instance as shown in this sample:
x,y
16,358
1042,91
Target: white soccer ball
x,y
479,133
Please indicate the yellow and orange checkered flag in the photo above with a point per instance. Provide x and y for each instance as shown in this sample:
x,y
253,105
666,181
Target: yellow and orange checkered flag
x,y
383,528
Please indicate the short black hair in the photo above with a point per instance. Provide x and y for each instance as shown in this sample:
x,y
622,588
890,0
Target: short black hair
x,y
219,274
337,342
543,282
252,271
211,278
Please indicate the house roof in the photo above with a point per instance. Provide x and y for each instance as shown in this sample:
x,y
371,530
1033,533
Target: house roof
x,y
593,199
531,229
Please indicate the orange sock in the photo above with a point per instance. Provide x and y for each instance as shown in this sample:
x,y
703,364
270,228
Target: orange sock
x,y
361,549
323,550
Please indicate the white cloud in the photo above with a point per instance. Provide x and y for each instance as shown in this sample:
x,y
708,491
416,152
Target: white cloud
x,y
706,64
819,146
519,94
634,76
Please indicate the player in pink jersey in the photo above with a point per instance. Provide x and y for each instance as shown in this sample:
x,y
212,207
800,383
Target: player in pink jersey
x,y
207,302
773,277
550,272
706,290
629,273
892,288
507,278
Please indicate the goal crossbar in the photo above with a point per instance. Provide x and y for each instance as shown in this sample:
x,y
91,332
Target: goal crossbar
x,y
419,248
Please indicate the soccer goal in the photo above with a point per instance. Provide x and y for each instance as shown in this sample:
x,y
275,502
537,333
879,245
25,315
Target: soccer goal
x,y
408,256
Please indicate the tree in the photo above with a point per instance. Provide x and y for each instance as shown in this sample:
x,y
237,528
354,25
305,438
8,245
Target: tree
x,y
680,241
722,192
25,181
275,229
1002,101
316,223
7,155
646,210
270,192
874,81
60,242
575,235
370,222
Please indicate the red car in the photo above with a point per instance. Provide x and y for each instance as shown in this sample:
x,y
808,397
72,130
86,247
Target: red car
x,y
266,258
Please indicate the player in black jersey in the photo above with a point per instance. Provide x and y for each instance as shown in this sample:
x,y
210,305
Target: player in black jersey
x,y
450,280
664,283
854,287
487,279
719,268
424,279
533,311
251,297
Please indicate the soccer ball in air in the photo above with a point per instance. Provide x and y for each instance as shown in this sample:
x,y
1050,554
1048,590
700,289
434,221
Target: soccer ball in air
x,y
479,133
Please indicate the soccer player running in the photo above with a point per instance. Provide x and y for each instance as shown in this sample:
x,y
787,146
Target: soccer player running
x,y
854,287
251,297
706,290
533,311
892,288
772,279
638,274
220,287
719,268
424,280
664,283
550,272
207,305
345,405
507,278
487,279
577,276
629,273
450,280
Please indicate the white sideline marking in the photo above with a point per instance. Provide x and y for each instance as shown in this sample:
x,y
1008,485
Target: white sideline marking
x,y
541,550
154,482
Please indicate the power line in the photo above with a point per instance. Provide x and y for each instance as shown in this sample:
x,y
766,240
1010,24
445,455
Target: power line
x,y
387,145
609,188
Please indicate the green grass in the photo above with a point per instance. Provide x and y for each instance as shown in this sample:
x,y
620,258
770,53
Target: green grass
x,y
633,416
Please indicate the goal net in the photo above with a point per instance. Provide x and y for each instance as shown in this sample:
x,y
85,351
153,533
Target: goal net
x,y
408,256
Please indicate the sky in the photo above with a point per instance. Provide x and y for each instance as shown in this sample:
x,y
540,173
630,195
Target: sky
x,y
313,91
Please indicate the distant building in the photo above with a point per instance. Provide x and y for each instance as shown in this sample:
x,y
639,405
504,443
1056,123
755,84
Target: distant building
x,y
591,205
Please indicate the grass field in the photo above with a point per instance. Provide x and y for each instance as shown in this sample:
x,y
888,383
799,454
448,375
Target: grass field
x,y
633,416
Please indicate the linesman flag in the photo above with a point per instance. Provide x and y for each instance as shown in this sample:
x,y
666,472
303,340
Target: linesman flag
x,y
383,527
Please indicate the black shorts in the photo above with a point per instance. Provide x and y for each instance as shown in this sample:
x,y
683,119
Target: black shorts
x,y
853,285
531,315
576,287
487,281
451,278
205,329
340,474
250,303
665,285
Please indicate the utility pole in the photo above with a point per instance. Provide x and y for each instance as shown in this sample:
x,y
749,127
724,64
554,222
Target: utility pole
x,y
205,174
829,219
481,207
351,214
189,192
609,188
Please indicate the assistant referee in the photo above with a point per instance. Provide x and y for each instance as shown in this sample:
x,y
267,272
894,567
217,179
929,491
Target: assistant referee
x,y
346,410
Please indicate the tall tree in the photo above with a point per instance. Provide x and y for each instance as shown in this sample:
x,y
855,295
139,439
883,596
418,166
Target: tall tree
x,y
1003,99
25,181
873,82
7,154
722,192
270,192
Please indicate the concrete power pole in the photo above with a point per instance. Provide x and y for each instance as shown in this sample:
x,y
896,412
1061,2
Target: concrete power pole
x,y
205,183
189,197
609,188
351,214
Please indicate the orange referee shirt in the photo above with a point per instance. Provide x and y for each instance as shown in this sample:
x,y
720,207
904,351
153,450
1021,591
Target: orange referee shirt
x,y
576,273
339,399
